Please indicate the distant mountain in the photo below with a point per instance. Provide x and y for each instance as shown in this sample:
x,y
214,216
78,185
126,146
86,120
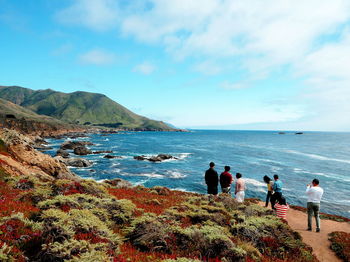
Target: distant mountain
x,y
79,108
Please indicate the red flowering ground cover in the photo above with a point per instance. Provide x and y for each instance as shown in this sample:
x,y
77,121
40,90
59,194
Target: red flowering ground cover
x,y
10,204
148,201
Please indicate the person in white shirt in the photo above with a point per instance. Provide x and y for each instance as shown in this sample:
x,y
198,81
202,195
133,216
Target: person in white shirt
x,y
314,194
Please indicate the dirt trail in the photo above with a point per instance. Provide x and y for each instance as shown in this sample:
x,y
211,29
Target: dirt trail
x,y
318,241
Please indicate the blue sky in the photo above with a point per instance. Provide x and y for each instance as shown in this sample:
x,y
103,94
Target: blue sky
x,y
230,64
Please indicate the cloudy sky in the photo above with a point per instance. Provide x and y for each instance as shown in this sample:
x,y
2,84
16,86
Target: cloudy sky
x,y
228,64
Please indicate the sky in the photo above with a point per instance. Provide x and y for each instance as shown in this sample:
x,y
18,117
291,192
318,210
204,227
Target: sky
x,y
213,64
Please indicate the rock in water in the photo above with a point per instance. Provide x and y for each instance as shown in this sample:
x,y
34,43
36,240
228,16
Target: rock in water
x,y
82,151
76,162
157,158
74,144
63,153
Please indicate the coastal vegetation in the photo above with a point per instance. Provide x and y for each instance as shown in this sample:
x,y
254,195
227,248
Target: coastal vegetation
x,y
341,244
83,108
66,218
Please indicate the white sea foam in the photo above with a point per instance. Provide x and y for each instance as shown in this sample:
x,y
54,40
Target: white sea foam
x,y
174,174
259,185
318,157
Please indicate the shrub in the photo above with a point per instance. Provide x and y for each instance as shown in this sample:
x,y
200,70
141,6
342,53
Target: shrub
x,y
340,244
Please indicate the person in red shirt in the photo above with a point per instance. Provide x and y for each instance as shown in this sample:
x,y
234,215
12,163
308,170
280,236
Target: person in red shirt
x,y
281,208
226,180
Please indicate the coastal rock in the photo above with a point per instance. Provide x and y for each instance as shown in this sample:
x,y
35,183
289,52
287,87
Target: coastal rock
x,y
110,156
82,151
74,144
119,183
75,162
157,158
103,152
23,159
63,153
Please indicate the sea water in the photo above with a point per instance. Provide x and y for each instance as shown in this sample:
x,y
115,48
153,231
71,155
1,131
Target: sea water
x,y
297,159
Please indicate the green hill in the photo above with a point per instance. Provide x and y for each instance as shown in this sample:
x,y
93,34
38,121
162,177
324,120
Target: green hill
x,y
79,108
16,117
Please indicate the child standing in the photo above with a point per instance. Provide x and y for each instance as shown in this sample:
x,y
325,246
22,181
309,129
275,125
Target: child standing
x,y
281,208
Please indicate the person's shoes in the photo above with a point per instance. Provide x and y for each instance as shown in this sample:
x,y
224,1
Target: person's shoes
x,y
309,229
318,230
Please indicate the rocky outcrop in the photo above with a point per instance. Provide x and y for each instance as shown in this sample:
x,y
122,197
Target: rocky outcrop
x,y
63,153
157,158
82,151
111,156
103,152
74,144
75,162
22,159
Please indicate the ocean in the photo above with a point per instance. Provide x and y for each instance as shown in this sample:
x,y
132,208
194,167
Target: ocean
x,y
297,159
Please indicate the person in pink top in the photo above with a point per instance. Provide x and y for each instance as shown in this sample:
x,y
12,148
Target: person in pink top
x,y
239,189
281,208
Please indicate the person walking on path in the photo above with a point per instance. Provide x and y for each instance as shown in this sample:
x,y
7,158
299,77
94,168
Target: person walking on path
x,y
226,180
269,183
239,189
212,179
314,194
277,188
281,208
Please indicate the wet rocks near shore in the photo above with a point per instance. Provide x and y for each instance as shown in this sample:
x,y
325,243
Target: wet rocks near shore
x,y
74,144
75,162
103,152
63,153
82,151
157,158
111,156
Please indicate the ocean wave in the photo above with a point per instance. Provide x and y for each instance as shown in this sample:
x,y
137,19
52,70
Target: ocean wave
x,y
174,174
318,157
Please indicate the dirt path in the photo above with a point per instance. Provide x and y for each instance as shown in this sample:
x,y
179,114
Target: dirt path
x,y
318,241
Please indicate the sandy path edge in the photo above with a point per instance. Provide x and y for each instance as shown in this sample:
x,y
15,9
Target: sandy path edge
x,y
319,242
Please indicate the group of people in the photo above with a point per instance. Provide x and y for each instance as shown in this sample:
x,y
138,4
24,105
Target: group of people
x,y
212,180
274,192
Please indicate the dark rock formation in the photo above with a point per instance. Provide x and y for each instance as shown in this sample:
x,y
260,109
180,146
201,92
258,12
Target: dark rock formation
x,y
63,153
158,158
103,152
76,162
82,151
73,144
110,156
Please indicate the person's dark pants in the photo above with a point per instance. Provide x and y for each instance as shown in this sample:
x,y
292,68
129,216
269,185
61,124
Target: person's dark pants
x,y
313,209
275,197
268,196
213,190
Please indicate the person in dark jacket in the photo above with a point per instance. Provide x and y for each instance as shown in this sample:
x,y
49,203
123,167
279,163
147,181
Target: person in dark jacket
x,y
226,180
212,179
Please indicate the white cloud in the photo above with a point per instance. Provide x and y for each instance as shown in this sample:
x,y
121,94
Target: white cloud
x,y
145,68
99,15
253,36
97,57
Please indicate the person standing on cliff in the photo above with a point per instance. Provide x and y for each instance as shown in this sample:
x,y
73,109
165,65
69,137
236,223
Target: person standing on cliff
x,y
212,179
277,188
239,189
314,194
226,180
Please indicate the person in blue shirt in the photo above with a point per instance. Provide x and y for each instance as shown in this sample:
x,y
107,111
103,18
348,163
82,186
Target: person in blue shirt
x,y
277,189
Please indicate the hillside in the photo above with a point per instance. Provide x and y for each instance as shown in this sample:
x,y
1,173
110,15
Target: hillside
x,y
19,118
79,108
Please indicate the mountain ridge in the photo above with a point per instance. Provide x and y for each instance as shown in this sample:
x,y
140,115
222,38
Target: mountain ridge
x,y
80,107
